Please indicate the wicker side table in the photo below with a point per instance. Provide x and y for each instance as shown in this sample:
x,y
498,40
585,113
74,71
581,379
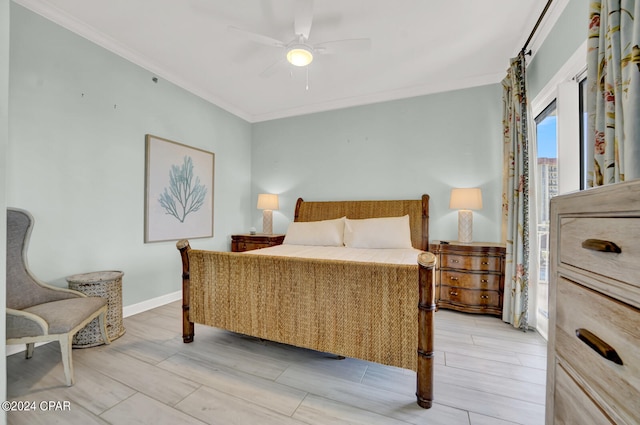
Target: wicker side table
x,y
105,284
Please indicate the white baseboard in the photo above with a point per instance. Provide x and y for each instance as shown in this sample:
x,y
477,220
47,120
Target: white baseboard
x,y
140,307
127,311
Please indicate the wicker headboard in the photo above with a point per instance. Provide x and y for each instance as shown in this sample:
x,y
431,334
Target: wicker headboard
x,y
418,211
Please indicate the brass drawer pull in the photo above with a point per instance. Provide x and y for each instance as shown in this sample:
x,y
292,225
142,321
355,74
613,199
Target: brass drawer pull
x,y
454,261
484,280
598,345
453,278
485,263
454,293
484,297
601,246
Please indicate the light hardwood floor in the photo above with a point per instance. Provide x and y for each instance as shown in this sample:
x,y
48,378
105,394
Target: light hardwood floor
x,y
487,373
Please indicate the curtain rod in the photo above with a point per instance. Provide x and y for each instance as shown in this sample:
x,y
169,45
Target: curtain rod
x,y
535,27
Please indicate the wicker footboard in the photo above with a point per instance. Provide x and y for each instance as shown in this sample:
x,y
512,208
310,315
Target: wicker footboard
x,y
368,311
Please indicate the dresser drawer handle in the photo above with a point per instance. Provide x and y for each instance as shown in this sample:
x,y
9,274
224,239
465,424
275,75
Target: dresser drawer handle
x,y
484,280
453,278
601,246
484,297
454,293
598,345
454,261
485,263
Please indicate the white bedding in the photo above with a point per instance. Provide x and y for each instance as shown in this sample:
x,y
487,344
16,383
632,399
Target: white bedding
x,y
385,255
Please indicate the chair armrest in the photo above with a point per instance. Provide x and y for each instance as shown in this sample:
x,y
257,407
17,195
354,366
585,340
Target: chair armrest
x,y
22,324
52,287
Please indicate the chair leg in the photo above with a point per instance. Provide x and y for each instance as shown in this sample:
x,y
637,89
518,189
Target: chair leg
x,y
29,352
67,361
103,328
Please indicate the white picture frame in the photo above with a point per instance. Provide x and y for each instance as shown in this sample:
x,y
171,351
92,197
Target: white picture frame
x,y
178,191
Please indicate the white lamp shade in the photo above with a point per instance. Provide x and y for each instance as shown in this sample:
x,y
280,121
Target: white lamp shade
x,y
267,201
466,199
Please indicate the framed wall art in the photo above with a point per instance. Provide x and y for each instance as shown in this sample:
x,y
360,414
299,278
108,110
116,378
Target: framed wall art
x,y
178,191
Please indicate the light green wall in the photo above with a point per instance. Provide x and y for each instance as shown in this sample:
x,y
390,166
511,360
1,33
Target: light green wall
x,y
569,32
76,155
4,140
392,150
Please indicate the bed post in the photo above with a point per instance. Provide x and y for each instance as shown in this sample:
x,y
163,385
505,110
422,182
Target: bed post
x,y
187,326
426,308
425,223
296,213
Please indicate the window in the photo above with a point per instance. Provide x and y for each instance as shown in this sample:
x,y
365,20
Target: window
x,y
546,188
560,123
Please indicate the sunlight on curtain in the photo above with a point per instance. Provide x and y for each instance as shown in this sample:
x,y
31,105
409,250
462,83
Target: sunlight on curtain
x,y
515,194
613,92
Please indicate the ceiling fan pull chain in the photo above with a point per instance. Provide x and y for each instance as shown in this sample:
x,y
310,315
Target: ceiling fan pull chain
x,y
307,87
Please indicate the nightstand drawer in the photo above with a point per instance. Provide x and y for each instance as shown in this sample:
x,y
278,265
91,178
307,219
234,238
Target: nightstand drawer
x,y
470,276
242,243
470,297
249,246
614,323
471,262
623,232
471,281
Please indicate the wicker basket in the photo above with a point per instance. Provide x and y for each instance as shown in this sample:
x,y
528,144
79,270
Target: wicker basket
x,y
105,284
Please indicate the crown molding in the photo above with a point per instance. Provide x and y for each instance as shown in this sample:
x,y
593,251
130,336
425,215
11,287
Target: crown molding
x,y
50,12
404,93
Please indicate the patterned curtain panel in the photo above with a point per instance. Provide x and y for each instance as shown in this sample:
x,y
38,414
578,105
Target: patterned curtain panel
x,y
515,195
613,92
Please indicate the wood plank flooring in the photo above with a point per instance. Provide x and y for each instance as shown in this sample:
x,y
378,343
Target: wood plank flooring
x,y
486,373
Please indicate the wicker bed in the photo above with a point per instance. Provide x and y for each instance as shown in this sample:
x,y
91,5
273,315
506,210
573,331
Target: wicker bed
x,y
371,311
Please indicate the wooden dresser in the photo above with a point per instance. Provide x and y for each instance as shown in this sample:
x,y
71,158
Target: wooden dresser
x,y
593,370
247,242
469,276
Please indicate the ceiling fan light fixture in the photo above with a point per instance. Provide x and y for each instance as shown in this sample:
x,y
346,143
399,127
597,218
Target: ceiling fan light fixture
x,y
299,55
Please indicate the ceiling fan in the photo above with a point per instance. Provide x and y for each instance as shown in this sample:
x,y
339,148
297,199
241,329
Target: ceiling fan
x,y
298,51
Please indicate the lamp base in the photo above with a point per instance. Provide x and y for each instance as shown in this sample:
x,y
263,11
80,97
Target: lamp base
x,y
465,226
267,222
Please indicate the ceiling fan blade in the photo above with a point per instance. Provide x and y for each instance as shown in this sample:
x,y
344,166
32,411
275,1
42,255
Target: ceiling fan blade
x,y
258,38
303,18
273,68
343,46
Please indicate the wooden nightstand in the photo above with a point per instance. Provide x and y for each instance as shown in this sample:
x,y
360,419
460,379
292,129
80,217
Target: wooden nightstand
x,y
246,242
470,276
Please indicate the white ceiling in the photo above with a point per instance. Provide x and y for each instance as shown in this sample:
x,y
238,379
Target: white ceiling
x,y
417,47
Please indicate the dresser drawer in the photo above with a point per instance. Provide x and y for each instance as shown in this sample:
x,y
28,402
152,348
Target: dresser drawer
x,y
615,323
572,405
470,280
624,232
471,297
471,262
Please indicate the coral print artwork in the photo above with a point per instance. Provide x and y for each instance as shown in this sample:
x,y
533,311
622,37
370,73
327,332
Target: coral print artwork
x,y
178,191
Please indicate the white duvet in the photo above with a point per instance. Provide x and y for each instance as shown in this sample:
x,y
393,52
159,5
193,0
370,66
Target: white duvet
x,y
388,255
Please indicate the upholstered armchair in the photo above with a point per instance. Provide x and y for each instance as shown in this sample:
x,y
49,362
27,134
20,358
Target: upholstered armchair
x,y
37,312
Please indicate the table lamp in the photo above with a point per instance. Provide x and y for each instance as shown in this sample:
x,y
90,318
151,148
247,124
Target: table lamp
x,y
465,200
267,202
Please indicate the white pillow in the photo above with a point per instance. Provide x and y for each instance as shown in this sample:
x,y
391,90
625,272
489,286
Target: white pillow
x,y
323,233
385,232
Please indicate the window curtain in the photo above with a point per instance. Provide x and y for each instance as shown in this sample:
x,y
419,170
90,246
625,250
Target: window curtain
x,y
515,194
613,92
